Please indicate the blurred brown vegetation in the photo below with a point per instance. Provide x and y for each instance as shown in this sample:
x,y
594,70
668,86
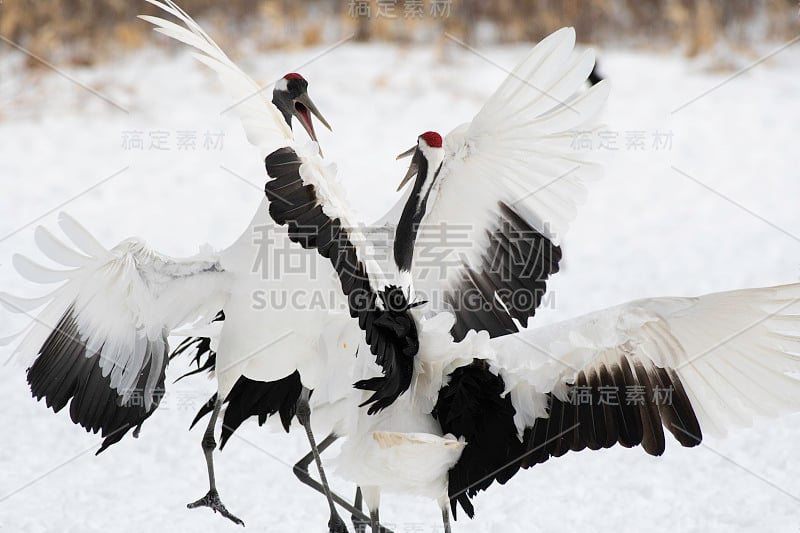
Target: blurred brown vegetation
x,y
85,31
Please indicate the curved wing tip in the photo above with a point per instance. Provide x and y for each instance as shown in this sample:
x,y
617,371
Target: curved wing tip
x,y
155,21
7,341
602,86
6,302
566,33
23,265
64,216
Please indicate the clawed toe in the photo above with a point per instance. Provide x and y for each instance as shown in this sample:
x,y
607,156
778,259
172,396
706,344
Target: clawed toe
x,y
337,525
213,501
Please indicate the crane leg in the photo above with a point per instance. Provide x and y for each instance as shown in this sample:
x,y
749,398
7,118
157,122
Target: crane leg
x,y
446,519
301,471
360,521
212,499
335,523
374,521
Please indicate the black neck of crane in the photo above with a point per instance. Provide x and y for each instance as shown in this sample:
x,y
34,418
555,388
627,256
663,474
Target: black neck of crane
x,y
406,233
285,105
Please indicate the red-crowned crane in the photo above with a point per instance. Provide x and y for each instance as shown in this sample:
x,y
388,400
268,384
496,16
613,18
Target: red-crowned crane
x,y
509,178
100,344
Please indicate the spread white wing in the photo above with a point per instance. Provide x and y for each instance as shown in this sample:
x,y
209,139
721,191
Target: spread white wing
x,y
507,190
100,340
694,365
620,376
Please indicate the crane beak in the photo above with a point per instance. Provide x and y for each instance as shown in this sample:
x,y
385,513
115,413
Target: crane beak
x,y
303,109
407,153
413,168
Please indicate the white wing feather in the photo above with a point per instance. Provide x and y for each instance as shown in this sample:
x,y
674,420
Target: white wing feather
x,y
518,150
266,128
734,352
262,122
123,299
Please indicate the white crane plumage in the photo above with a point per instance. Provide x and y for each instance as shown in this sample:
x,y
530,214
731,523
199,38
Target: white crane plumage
x,y
512,181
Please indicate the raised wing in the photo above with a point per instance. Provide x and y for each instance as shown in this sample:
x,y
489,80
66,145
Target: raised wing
x,y
262,122
100,341
507,190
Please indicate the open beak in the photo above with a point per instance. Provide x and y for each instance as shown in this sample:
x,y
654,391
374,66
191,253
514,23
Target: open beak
x,y
303,109
407,153
413,168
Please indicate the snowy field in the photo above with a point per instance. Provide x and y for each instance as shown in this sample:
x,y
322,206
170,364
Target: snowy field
x,y
713,205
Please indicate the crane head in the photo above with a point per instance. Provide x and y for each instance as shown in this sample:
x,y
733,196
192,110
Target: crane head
x,y
290,96
429,146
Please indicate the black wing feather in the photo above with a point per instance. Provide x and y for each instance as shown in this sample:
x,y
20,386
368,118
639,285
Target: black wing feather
x,y
627,410
597,413
63,374
514,269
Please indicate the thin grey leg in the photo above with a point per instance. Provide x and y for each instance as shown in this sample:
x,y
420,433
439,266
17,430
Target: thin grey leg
x,y
374,521
212,499
446,519
359,522
335,523
301,472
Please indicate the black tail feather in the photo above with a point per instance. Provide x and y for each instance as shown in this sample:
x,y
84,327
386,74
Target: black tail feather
x,y
473,406
261,399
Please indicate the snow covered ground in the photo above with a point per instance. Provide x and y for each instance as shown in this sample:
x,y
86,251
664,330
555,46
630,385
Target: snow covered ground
x,y
715,210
